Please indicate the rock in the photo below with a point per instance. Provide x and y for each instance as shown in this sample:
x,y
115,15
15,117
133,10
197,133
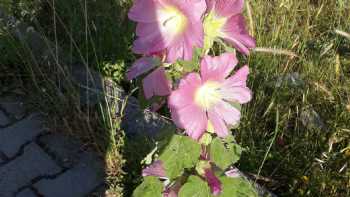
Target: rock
x,y
90,84
290,79
311,119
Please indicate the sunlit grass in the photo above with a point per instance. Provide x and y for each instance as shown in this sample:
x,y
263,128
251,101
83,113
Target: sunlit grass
x,y
304,41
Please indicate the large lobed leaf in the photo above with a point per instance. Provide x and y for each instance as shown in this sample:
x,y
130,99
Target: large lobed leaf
x,y
236,187
181,152
150,187
224,154
195,187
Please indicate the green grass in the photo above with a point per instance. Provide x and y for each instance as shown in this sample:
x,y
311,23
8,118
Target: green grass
x,y
283,154
306,28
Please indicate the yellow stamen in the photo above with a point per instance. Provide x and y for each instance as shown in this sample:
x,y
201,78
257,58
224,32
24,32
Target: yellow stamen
x,y
210,127
212,29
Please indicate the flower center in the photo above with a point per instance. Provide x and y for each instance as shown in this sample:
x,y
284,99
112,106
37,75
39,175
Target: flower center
x,y
173,20
212,28
207,95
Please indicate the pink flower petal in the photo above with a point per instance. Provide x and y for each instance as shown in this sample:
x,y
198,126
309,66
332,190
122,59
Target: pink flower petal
x,y
156,84
217,68
227,112
151,39
233,173
183,96
234,88
140,67
213,182
237,94
143,11
156,37
235,32
173,190
218,123
192,119
155,169
228,8
239,78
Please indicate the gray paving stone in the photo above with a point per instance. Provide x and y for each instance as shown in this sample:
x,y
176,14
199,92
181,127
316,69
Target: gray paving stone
x,y
65,148
13,105
20,172
78,181
13,137
4,120
26,193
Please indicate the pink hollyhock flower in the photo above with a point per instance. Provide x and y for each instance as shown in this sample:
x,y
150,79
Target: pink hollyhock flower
x,y
170,26
156,84
213,182
225,20
141,66
155,169
202,102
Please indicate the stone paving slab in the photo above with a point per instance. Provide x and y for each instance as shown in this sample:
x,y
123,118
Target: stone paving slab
x,y
33,164
15,136
4,120
66,150
26,193
13,105
78,181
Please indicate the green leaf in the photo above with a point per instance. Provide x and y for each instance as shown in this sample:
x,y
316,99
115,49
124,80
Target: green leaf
x,y
193,64
224,154
181,152
236,187
150,187
195,186
188,66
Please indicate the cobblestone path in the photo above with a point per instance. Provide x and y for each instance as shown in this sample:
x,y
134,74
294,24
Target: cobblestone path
x,y
34,162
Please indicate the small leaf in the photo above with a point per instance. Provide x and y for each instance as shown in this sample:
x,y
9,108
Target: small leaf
x,y
195,186
224,155
188,66
181,152
236,187
150,187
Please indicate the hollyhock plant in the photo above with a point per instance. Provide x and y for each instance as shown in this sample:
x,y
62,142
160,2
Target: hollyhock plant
x,y
202,102
155,83
225,20
155,169
213,182
141,66
172,27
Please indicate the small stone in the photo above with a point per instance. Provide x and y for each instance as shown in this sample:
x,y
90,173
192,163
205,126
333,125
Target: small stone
x,y
290,79
78,181
26,193
20,172
24,131
311,119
